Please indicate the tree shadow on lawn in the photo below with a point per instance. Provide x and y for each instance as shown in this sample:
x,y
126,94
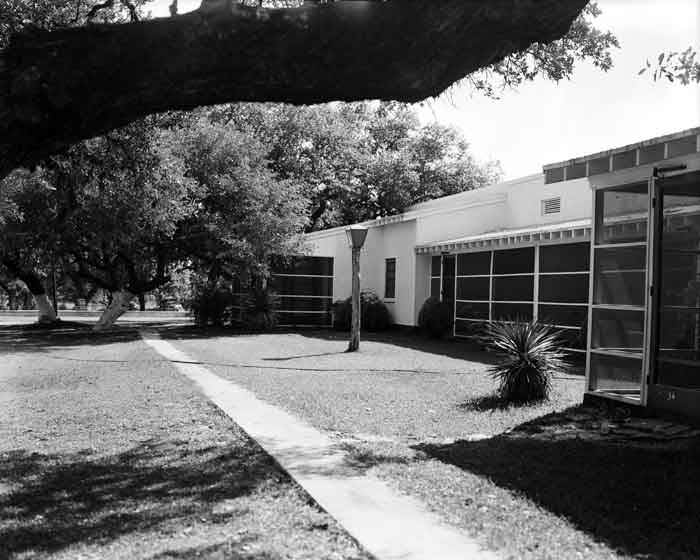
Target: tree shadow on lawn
x,y
23,339
485,403
221,550
50,502
457,349
450,348
642,498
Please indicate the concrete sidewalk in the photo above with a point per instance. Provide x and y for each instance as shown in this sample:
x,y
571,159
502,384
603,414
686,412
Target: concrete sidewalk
x,y
388,524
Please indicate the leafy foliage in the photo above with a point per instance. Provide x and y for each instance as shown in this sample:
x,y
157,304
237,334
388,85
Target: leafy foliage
x,y
360,161
260,309
675,66
530,353
18,15
246,212
553,61
212,304
435,317
374,314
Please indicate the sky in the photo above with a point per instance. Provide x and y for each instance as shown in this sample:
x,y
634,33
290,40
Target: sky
x,y
544,122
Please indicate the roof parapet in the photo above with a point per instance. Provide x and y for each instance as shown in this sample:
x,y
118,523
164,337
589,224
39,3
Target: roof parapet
x,y
625,157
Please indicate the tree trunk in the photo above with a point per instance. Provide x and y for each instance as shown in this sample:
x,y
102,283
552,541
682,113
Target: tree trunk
x,y
45,309
117,307
59,87
142,302
47,314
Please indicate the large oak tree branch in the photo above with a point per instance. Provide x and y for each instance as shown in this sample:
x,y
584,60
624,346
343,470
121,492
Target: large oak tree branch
x,y
62,86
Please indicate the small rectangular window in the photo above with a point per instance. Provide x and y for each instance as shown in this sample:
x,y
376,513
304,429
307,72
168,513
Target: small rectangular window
x,y
651,153
576,171
599,165
390,279
624,160
435,266
682,146
554,175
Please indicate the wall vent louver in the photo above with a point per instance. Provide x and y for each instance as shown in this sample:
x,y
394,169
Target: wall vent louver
x,y
551,205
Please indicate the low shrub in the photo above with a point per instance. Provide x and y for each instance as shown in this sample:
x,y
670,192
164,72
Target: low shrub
x,y
342,314
374,314
435,317
530,353
260,310
211,305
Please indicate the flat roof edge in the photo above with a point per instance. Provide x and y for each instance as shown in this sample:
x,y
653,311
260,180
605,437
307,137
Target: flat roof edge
x,y
619,149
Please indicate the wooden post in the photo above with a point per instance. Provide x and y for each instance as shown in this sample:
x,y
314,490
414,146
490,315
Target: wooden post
x,y
355,322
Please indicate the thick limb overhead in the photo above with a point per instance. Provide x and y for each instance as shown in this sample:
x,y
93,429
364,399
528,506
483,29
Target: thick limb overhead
x,y
62,86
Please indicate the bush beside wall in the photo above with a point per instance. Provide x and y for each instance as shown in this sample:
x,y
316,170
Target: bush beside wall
x,y
435,318
374,314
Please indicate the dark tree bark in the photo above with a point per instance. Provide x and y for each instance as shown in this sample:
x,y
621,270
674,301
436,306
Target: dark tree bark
x,y
62,86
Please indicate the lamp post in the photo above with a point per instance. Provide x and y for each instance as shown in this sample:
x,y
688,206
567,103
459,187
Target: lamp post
x,y
356,238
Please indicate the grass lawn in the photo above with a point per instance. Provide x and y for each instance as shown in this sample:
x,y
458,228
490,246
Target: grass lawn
x,y
107,452
416,412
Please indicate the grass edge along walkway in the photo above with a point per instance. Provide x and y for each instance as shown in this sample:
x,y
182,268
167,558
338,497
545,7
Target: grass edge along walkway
x,y
389,525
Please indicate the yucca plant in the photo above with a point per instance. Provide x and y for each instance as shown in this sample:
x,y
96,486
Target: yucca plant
x,y
530,354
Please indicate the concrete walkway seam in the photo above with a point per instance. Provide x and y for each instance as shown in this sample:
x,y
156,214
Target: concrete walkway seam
x,y
388,524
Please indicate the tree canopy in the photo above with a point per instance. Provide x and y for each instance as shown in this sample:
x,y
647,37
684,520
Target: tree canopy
x,y
62,81
218,192
360,161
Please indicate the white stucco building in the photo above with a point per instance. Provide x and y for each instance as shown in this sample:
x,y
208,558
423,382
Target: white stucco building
x,y
522,249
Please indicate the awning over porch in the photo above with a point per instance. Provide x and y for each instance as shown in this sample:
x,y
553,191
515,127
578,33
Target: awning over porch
x,y
579,230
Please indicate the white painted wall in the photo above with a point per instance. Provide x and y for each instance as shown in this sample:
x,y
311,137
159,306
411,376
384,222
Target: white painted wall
x,y
510,205
383,242
399,242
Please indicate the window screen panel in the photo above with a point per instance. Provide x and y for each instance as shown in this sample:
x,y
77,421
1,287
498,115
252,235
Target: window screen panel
x,y
563,315
470,328
512,311
470,264
620,276
472,310
572,338
304,304
310,266
564,288
514,261
615,373
618,330
570,257
476,288
513,288
624,214
302,285
435,266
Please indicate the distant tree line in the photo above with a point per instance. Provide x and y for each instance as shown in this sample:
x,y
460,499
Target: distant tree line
x,y
184,199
